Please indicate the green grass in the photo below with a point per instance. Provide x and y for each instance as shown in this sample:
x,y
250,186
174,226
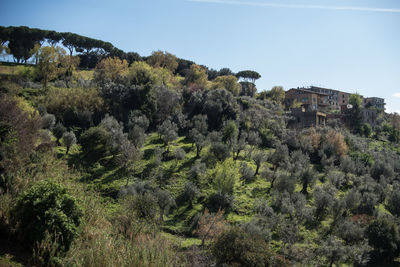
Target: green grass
x,y
108,180
177,223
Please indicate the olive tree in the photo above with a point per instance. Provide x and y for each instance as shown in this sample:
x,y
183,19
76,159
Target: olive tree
x,y
69,140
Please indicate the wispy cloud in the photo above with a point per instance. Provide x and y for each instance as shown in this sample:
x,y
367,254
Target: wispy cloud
x,y
396,95
261,4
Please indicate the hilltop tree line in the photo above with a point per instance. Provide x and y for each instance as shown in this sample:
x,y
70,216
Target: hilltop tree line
x,y
24,43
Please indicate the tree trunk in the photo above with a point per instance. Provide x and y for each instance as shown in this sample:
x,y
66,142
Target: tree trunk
x,y
161,215
257,169
273,178
331,263
45,81
198,150
304,189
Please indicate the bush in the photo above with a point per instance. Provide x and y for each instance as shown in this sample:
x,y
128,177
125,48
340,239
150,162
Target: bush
x,y
144,206
48,121
247,172
220,201
48,208
366,130
235,247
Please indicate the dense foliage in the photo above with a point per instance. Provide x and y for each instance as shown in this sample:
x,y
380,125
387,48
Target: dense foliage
x,y
47,207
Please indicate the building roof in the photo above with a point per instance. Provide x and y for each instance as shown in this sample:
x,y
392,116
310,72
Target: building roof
x,y
324,88
307,91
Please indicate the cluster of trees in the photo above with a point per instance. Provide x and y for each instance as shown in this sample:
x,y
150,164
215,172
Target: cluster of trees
x,y
23,43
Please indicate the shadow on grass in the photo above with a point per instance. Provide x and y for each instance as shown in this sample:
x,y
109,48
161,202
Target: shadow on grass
x,y
148,153
180,222
156,141
187,164
259,192
120,173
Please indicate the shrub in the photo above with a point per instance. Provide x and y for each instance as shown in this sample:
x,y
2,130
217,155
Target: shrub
x,y
235,247
47,207
197,170
220,200
366,130
247,172
144,206
337,141
210,225
48,121
179,154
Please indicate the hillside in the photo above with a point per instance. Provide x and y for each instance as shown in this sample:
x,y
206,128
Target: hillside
x,y
135,164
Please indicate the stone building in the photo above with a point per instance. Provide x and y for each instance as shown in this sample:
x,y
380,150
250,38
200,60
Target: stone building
x,y
316,101
377,102
343,98
308,99
304,119
335,98
369,115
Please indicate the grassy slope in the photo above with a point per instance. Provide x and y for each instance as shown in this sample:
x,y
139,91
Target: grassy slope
x,y
177,222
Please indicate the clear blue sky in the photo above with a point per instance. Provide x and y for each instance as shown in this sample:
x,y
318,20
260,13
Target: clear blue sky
x,y
350,45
